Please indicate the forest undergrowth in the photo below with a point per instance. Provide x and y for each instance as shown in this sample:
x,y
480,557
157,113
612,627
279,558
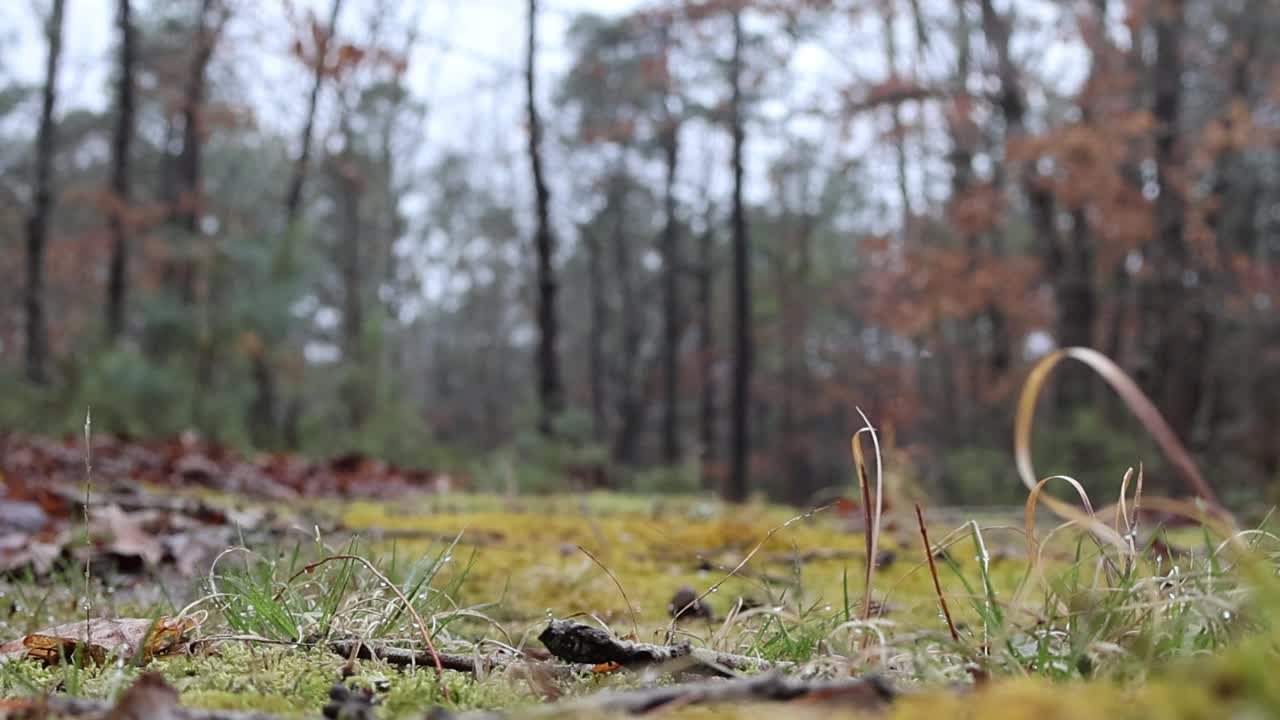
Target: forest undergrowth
x,y
597,604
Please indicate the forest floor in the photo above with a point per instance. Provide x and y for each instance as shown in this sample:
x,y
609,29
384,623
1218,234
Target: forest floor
x,y
563,605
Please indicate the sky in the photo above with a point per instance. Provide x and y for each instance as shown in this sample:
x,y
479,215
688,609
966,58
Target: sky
x,y
467,66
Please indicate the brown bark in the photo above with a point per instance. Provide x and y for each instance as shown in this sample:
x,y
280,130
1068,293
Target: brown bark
x,y
737,481
550,391
1176,318
350,187
37,329
631,405
670,301
293,200
595,342
181,274
122,137
706,356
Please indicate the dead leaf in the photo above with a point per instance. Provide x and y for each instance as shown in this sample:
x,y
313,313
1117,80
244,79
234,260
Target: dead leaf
x,y
125,535
100,638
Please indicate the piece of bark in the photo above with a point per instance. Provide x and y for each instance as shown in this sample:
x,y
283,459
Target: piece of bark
x,y
579,643
866,693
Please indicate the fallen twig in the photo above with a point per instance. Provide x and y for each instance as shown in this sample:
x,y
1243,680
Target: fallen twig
x,y
868,693
402,657
578,643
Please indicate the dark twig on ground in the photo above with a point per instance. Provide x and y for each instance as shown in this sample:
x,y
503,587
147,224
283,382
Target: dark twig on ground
x,y
402,657
578,643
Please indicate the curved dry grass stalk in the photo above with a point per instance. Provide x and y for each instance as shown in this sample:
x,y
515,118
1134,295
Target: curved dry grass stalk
x,y
873,527
635,625
1133,397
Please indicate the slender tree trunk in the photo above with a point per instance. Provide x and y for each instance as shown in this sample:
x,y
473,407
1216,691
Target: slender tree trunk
x,y
118,271
350,193
185,213
264,413
190,161
293,200
595,352
706,356
735,489
671,302
895,116
630,392
37,330
1176,312
550,391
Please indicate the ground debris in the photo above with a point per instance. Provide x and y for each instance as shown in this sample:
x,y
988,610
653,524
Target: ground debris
x,y
101,638
578,643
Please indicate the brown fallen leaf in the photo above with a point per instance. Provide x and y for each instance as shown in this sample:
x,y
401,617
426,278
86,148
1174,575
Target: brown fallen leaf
x,y
100,638
38,553
124,535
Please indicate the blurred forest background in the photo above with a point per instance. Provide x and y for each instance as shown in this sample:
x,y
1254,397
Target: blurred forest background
x,y
676,257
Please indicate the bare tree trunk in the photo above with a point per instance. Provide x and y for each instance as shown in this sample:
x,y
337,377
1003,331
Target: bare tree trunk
x,y
628,372
187,214
737,482
671,302
118,272
1176,313
895,115
595,352
350,190
706,355
293,201
550,391
37,329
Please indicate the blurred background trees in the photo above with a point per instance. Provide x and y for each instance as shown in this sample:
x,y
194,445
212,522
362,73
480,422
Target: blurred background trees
x,y
666,247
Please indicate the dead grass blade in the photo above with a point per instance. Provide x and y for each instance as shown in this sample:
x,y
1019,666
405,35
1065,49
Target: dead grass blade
x,y
1133,397
872,519
635,625
933,572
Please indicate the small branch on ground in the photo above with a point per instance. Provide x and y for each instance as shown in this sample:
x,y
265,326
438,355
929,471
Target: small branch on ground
x,y
579,643
401,657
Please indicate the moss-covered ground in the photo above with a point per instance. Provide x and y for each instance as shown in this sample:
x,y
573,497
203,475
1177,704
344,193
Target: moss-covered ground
x,y
1091,633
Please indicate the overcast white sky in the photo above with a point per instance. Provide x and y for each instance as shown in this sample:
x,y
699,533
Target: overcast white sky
x,y
469,55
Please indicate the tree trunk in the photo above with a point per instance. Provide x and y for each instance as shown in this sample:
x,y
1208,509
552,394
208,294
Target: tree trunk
x,y
737,482
895,116
671,302
189,162
550,392
630,392
118,272
37,330
595,351
706,356
350,191
185,214
1176,314
293,200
